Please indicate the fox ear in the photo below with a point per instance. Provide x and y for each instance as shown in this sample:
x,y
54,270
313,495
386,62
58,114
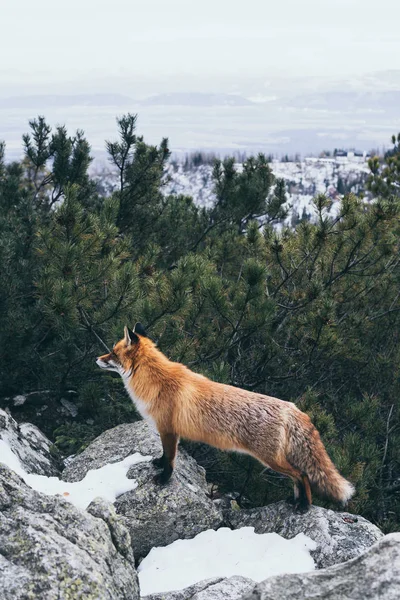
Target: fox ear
x,y
130,336
139,329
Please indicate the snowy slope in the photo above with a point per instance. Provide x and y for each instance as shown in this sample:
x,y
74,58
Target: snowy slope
x,y
304,180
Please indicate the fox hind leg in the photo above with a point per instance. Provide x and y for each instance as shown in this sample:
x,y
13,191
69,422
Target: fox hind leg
x,y
302,490
305,499
302,494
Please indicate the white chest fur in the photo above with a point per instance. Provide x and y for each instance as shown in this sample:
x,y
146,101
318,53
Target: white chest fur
x,y
140,405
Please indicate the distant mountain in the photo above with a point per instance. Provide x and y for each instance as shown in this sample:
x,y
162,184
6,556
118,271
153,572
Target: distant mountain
x,y
354,101
61,101
196,99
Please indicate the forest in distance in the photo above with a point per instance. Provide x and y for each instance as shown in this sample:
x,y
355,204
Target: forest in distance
x,y
308,313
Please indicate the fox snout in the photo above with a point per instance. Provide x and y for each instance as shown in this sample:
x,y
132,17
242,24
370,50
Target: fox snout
x,y
103,361
106,362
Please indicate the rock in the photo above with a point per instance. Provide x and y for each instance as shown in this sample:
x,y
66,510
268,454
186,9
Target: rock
x,y
373,575
51,550
340,536
30,445
69,406
154,515
102,509
43,408
231,588
19,400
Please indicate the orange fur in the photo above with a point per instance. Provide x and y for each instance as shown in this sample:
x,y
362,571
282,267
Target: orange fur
x,y
185,404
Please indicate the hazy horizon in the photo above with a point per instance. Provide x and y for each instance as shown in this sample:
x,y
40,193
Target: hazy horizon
x,y
309,73
47,41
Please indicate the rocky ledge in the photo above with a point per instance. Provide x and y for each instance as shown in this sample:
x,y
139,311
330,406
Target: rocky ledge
x,y
50,549
154,515
375,574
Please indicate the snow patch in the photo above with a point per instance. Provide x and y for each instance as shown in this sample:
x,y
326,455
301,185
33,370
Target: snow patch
x,y
223,553
109,481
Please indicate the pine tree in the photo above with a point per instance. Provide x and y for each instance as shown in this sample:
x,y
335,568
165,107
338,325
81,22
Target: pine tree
x,y
385,178
308,313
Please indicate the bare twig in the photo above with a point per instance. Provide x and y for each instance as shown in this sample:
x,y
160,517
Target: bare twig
x,y
90,327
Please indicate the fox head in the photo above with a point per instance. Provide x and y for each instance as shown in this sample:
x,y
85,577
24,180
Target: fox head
x,y
124,354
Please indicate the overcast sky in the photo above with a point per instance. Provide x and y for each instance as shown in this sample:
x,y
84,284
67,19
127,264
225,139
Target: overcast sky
x,y
49,39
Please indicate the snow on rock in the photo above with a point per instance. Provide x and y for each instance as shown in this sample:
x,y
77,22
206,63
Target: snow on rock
x,y
29,445
375,575
154,515
339,536
223,553
108,482
50,550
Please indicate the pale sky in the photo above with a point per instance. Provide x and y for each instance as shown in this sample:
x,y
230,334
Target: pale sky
x,y
45,40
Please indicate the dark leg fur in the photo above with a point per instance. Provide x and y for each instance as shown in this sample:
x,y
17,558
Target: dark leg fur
x,y
165,475
302,491
302,504
166,461
159,462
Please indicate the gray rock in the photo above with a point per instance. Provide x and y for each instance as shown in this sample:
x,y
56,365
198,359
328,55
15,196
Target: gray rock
x,y
102,509
51,550
154,515
375,575
340,536
188,592
69,406
30,445
112,446
44,408
231,588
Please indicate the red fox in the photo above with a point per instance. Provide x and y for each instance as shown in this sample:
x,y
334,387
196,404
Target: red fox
x,y
182,403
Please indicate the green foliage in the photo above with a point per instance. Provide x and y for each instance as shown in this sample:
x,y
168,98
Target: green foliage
x,y
385,177
309,314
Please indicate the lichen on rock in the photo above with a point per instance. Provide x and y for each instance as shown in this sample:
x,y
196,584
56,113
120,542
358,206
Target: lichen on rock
x,y
51,550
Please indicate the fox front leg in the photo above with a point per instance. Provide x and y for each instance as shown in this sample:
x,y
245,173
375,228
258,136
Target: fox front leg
x,y
159,462
167,460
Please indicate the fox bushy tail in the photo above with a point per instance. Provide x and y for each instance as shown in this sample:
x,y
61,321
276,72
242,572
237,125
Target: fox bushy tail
x,y
307,453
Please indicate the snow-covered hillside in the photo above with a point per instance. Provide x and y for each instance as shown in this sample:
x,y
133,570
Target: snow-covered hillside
x,y
304,180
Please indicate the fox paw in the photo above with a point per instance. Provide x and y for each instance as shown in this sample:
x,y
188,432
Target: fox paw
x,y
301,507
158,462
162,478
